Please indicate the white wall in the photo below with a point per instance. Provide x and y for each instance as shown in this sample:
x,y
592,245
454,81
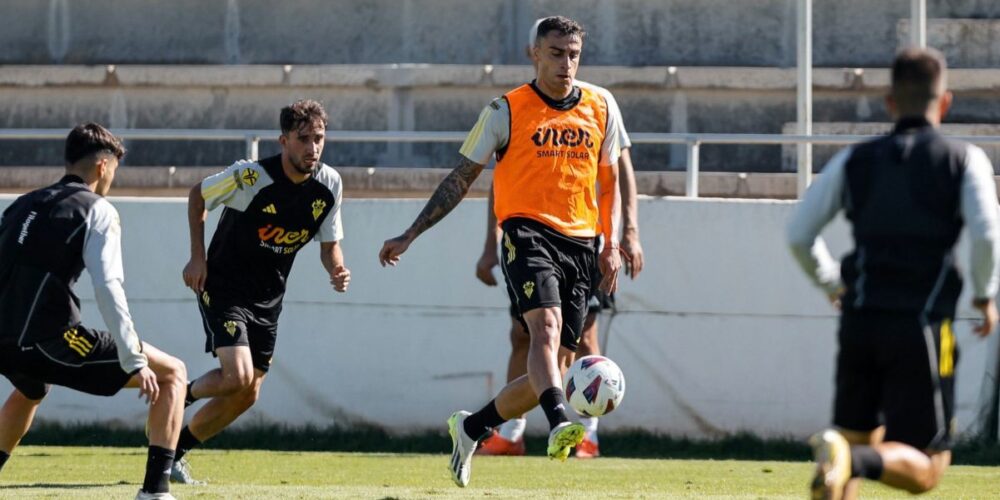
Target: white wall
x,y
720,333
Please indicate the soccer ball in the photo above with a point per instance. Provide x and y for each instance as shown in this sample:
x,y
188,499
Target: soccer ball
x,y
594,386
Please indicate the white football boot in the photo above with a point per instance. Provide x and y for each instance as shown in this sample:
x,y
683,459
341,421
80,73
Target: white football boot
x,y
462,449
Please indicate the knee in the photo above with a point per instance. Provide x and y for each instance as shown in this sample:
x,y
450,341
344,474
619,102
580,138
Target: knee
x,y
248,396
928,481
173,373
924,484
238,381
546,327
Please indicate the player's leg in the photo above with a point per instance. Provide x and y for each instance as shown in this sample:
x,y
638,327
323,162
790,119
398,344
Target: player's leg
x,y
227,336
467,429
221,411
237,391
235,374
919,405
855,438
18,412
589,346
857,402
166,415
251,349
508,439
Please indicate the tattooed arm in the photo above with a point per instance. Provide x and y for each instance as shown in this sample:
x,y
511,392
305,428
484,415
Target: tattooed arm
x,y
446,197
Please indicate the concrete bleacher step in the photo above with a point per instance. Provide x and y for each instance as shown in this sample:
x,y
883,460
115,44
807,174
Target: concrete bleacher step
x,y
436,97
822,154
966,43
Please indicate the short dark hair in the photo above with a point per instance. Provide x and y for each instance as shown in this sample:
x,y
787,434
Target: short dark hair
x,y
562,25
300,113
88,139
917,78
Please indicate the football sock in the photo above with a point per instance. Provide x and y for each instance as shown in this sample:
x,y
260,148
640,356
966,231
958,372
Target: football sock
x,y
479,424
590,424
185,443
189,399
866,463
513,429
553,403
3,458
158,465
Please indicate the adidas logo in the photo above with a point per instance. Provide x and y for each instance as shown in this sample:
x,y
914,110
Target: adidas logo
x,y
270,209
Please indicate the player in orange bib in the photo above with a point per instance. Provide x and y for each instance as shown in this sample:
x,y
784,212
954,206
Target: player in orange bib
x,y
555,184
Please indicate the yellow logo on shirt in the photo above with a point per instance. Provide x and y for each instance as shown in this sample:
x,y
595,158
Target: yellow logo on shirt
x,y
205,300
230,327
270,209
529,288
250,176
77,342
318,207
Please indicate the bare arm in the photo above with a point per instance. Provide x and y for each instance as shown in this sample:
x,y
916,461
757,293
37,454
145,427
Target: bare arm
x,y
445,198
630,216
488,260
610,206
629,194
196,269
332,256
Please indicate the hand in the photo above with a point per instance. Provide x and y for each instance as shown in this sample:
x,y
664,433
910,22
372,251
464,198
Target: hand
x,y
989,312
484,268
609,262
834,297
195,273
393,248
633,253
340,278
147,385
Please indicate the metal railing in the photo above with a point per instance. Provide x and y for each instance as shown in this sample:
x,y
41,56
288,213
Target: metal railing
x,y
692,142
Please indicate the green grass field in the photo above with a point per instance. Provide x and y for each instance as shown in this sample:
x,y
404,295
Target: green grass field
x,y
95,472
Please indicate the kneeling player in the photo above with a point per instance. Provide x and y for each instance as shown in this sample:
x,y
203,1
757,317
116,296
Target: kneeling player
x,y
47,237
907,197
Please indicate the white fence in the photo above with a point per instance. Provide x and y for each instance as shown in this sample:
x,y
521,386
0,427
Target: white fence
x,y
719,334
692,142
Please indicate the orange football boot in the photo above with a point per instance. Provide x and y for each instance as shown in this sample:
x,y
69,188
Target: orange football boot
x,y
587,449
498,445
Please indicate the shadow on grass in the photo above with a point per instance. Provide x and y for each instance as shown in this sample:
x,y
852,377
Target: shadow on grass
x,y
635,443
60,486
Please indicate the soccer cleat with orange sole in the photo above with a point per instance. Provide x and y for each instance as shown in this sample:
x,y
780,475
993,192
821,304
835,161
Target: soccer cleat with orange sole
x,y
587,449
497,445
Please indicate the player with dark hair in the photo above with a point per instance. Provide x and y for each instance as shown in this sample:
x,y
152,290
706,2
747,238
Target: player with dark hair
x,y
273,207
508,439
555,142
907,197
47,238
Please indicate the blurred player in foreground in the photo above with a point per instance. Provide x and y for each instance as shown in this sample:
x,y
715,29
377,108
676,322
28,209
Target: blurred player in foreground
x,y
907,196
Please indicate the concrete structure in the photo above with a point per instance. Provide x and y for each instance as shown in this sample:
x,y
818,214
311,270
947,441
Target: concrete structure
x,y
431,97
822,154
712,341
623,32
